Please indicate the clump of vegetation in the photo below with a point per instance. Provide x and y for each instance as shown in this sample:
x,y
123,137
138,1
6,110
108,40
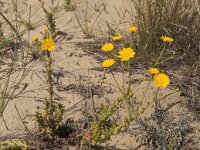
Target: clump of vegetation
x,y
106,123
161,131
12,145
179,19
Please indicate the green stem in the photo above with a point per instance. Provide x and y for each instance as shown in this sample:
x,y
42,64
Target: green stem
x,y
132,40
129,70
157,101
49,82
117,82
165,60
123,74
160,55
140,110
144,93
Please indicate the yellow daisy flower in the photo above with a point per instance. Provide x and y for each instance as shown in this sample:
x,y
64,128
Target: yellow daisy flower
x,y
153,71
161,80
108,63
48,45
126,53
132,29
107,47
117,38
34,38
166,39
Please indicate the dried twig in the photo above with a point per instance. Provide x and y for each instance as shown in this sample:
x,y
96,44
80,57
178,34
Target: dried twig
x,y
22,121
4,121
10,24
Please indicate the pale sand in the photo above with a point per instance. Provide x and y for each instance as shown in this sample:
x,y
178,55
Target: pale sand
x,y
76,65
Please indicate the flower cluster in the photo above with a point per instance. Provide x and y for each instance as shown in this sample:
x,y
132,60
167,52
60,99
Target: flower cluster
x,y
46,44
124,54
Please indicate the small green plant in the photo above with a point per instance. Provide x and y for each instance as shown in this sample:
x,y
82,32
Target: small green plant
x,y
28,25
47,126
161,131
68,6
4,42
103,127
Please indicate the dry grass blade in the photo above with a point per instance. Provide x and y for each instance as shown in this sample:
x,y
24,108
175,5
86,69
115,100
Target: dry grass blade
x,y
178,19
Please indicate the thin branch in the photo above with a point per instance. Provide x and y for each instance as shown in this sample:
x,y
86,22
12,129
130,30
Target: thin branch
x,y
4,121
22,121
12,27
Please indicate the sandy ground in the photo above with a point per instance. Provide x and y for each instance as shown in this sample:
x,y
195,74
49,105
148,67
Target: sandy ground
x,y
76,68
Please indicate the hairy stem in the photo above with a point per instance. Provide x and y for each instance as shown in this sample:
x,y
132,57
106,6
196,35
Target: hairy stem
x,y
49,82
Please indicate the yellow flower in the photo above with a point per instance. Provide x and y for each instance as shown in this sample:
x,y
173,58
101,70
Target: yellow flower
x,y
48,45
126,53
117,38
132,29
161,80
130,93
166,39
153,71
107,47
108,63
34,38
